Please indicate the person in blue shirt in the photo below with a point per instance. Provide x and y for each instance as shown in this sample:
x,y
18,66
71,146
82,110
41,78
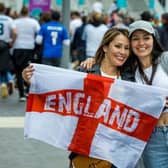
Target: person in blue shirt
x,y
52,36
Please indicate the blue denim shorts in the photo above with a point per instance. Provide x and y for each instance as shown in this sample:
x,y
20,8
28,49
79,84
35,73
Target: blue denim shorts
x,y
155,154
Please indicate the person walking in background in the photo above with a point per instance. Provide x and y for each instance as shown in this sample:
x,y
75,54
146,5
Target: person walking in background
x,y
78,45
23,48
93,33
7,38
52,36
163,31
75,22
44,18
146,16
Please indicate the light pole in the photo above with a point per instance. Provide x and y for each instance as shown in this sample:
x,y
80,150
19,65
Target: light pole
x,y
65,62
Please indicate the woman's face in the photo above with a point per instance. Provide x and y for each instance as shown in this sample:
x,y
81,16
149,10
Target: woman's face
x,y
142,43
117,52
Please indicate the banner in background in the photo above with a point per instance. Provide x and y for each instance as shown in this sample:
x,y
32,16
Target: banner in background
x,y
44,5
36,7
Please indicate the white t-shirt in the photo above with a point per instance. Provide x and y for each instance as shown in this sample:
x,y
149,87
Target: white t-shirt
x,y
160,78
74,24
93,36
6,25
109,76
26,28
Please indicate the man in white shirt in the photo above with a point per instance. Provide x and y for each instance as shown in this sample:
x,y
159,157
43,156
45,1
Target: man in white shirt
x,y
75,22
23,49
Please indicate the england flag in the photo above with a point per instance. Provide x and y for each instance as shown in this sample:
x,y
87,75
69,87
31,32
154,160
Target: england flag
x,y
95,116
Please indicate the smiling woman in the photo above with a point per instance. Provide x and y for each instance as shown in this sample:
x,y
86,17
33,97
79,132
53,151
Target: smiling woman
x,y
150,65
112,54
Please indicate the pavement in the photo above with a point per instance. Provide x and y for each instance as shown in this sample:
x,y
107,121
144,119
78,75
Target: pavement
x,y
15,151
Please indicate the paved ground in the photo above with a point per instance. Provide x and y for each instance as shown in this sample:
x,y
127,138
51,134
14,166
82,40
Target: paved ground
x,y
15,152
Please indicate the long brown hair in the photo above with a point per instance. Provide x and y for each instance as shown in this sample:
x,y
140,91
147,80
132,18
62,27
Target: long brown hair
x,y
108,38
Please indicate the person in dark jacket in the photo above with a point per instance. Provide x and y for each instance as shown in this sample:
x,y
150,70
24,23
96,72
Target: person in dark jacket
x,y
78,45
163,31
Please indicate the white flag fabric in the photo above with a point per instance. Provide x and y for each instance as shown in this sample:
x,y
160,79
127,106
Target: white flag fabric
x,y
91,115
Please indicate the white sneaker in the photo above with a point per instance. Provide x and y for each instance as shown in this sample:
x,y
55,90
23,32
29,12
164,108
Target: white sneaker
x,y
4,90
22,99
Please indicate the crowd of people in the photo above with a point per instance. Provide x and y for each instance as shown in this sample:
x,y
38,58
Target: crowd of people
x,y
24,39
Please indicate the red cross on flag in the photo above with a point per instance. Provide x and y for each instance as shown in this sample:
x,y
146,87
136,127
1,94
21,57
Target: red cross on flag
x,y
91,115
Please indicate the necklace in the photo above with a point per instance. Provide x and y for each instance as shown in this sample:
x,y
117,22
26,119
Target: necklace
x,y
145,78
118,74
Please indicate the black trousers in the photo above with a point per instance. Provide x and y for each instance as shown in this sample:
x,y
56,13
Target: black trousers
x,y
21,58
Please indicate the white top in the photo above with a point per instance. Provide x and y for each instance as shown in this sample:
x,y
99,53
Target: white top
x,y
110,76
93,36
74,24
6,25
160,78
27,28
